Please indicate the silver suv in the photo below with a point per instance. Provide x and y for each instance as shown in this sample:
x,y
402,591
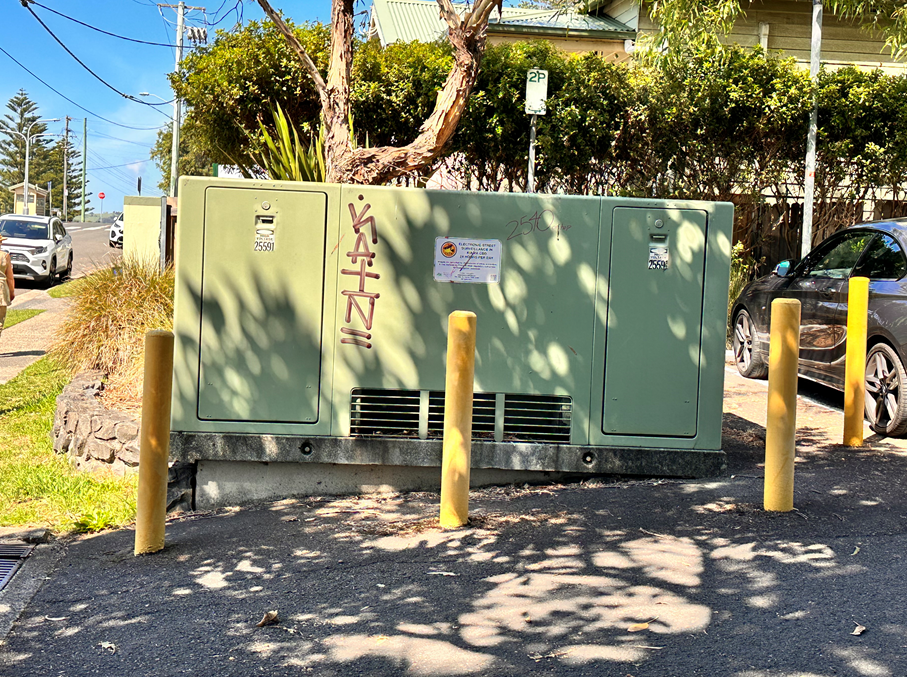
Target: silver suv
x,y
39,246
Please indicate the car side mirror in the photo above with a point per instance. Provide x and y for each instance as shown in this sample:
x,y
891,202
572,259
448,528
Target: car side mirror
x,y
783,268
57,237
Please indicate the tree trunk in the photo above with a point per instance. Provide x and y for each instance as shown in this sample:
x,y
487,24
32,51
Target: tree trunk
x,y
343,163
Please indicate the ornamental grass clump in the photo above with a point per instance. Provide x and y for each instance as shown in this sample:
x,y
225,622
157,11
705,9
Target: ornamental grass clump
x,y
105,328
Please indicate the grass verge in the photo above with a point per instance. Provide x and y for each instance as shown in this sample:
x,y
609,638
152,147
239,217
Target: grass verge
x,y
17,316
70,288
38,487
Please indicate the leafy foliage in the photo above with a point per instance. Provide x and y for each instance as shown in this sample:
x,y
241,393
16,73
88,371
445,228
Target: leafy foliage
x,y
230,84
284,157
722,123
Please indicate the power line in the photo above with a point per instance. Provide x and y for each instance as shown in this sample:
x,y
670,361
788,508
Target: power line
x,y
112,170
99,30
79,106
83,65
107,136
127,164
119,173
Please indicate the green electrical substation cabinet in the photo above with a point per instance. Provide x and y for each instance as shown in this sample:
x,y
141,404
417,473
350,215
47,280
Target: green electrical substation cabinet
x,y
311,326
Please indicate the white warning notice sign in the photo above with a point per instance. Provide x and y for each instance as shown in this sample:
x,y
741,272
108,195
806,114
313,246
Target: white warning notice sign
x,y
464,260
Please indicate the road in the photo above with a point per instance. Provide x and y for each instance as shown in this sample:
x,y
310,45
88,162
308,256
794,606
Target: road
x,y
91,250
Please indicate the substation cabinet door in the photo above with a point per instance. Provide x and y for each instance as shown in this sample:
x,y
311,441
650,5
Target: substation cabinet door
x,y
652,346
262,305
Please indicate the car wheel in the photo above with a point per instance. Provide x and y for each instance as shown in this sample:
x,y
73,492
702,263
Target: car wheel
x,y
886,401
749,360
68,272
111,243
52,275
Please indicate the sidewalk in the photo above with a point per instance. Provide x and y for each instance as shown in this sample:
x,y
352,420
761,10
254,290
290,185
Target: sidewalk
x,y
646,578
29,341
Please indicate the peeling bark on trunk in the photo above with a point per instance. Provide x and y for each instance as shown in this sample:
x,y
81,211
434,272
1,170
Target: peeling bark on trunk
x,y
467,35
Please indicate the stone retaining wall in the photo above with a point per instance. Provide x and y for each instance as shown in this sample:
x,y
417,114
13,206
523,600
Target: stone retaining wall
x,y
91,434
96,437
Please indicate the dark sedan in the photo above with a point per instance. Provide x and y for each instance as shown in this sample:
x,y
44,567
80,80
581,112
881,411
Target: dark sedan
x,y
820,283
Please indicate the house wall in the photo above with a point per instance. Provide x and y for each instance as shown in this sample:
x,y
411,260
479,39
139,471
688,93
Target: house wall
x,y
789,31
36,202
612,49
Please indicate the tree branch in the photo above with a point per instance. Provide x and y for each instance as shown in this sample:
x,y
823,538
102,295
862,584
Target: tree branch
x,y
467,36
295,45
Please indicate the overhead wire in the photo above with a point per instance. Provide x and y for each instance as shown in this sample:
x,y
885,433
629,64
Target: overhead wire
x,y
77,105
95,75
127,164
92,132
100,30
111,169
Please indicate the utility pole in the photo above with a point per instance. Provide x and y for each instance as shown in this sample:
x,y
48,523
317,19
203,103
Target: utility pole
x,y
177,104
84,161
65,211
809,179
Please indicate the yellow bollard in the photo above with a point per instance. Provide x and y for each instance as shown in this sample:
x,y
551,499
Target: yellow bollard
x,y
855,365
781,424
455,462
155,446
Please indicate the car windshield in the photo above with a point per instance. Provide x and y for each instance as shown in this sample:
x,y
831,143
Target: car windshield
x,y
29,230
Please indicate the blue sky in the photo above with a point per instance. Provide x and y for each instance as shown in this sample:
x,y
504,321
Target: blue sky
x,y
116,155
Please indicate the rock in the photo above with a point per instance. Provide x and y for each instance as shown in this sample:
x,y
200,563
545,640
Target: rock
x,y
129,454
76,446
127,431
107,430
101,450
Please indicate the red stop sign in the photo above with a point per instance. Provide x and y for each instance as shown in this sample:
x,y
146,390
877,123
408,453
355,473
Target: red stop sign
x,y
101,195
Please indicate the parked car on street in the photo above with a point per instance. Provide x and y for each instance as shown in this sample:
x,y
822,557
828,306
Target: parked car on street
x,y
39,246
820,283
116,232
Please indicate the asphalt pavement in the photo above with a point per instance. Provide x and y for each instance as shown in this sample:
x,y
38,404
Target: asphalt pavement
x,y
638,577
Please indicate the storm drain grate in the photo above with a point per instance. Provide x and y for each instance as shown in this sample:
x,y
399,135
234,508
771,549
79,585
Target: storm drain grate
x,y
11,557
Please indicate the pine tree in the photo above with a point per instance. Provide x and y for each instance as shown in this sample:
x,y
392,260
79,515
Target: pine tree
x,y
13,127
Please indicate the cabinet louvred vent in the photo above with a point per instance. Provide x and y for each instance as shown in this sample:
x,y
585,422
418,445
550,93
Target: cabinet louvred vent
x,y
396,413
384,413
482,415
537,418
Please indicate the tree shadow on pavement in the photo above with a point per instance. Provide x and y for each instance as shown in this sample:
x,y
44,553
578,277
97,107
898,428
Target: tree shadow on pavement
x,y
632,578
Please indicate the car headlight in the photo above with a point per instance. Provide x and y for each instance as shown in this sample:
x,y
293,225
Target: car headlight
x,y
41,250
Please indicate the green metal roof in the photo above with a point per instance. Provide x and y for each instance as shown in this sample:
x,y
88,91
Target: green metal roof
x,y
408,20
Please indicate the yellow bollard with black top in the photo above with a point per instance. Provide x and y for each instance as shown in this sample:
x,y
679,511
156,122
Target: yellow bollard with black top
x,y
155,443
855,362
781,422
457,445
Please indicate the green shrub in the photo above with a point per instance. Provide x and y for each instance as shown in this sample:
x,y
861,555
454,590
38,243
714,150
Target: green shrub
x,y
105,329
